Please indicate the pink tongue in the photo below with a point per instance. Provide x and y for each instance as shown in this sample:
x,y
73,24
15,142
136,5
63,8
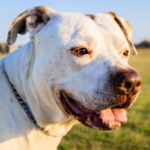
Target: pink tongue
x,y
110,115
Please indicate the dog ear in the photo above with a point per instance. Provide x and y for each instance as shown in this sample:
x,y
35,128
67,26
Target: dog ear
x,y
126,28
31,20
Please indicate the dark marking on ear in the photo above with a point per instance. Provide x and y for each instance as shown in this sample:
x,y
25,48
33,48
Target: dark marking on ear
x,y
91,16
23,28
118,21
19,24
40,10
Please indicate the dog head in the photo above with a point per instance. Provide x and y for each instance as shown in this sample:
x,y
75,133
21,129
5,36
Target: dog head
x,y
81,64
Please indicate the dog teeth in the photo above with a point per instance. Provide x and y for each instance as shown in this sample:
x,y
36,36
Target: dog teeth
x,y
112,123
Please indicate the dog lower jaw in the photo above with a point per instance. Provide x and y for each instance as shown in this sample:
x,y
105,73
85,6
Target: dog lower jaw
x,y
85,116
110,126
99,125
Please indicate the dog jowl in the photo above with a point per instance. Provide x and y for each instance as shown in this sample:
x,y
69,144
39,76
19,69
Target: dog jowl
x,y
74,70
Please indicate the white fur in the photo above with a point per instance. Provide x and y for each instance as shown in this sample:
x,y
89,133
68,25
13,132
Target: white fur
x,y
43,67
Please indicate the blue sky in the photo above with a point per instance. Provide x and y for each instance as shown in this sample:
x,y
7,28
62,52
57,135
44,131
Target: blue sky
x,y
137,12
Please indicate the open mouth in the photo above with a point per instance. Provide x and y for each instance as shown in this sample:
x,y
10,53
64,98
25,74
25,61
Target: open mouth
x,y
106,120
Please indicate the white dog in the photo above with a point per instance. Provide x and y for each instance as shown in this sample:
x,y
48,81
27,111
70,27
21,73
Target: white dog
x,y
73,70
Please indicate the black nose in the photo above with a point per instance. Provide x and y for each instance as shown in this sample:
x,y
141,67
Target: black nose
x,y
128,82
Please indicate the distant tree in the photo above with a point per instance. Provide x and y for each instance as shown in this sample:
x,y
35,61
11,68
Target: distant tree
x,y
143,44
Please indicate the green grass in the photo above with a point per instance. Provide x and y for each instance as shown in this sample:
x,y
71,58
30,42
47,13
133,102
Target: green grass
x,y
134,135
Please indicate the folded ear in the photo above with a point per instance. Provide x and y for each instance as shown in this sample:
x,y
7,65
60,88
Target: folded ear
x,y
31,20
126,28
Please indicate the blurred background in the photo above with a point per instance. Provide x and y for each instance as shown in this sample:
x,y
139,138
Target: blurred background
x,y
135,134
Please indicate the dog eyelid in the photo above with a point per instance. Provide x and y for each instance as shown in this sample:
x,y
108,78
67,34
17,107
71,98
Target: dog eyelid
x,y
80,51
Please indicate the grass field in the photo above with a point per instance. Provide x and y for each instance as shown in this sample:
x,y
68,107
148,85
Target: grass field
x,y
134,135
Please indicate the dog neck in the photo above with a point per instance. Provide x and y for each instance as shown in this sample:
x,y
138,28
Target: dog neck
x,y
20,75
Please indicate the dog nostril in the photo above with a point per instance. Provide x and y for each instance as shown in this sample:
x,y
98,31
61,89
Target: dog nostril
x,y
139,84
128,85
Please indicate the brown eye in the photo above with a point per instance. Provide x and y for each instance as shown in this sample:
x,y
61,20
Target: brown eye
x,y
126,53
80,52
